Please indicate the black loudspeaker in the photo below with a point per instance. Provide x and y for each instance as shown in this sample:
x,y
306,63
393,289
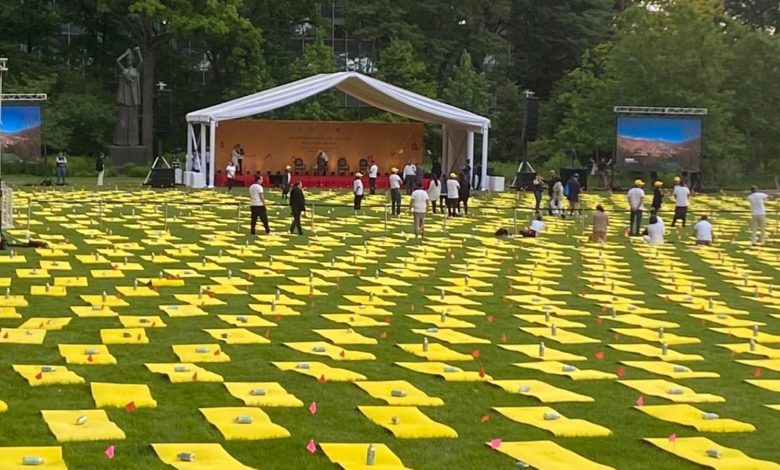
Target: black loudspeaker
x,y
531,118
162,178
163,111
523,180
566,174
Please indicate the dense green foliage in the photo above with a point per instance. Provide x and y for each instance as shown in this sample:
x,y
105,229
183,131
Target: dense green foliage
x,y
581,57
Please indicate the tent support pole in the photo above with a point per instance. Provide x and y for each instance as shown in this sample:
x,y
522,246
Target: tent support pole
x,y
212,153
470,156
483,177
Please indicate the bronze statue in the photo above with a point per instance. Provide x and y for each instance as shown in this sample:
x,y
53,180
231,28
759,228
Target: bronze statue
x,y
128,98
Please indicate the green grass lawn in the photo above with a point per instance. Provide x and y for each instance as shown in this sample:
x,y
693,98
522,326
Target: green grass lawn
x,y
193,218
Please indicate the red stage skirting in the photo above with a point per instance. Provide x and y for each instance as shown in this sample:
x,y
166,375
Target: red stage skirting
x,y
308,181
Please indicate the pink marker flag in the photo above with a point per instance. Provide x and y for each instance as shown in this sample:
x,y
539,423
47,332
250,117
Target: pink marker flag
x,y
640,401
311,446
672,437
110,450
313,407
495,443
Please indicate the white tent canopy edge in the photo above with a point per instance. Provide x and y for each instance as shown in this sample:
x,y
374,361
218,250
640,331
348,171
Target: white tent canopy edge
x,y
458,125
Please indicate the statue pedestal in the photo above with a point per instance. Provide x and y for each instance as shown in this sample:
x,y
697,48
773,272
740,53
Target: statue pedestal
x,y
120,155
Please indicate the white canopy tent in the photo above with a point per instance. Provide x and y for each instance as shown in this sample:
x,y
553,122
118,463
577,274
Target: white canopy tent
x,y
458,125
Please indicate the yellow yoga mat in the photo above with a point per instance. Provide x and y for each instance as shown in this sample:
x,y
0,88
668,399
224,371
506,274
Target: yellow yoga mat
x,y
773,385
247,321
381,291
200,353
11,458
549,320
263,394
220,289
199,299
559,368
450,336
407,422
132,321
547,455
22,336
771,364
94,311
353,456
727,320
445,371
321,348
319,370
556,310
274,310
207,457
435,352
540,290
698,449
755,349
353,319
550,354
123,336
243,423
439,322
137,291
451,299
546,418
671,391
175,311
657,335
688,415
120,395
614,289
9,313
542,391
455,310
281,300
648,350
3,406
640,321
612,299
315,281
48,375
559,335
747,333
181,373
232,281
399,393
46,323
531,300
345,336
106,301
81,425
86,354
236,336
630,308
668,369
51,291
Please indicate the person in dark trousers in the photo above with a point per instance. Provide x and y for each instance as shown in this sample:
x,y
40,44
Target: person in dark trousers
x,y
257,205
635,197
574,193
552,178
658,196
357,189
537,185
286,181
297,206
464,193
681,194
395,191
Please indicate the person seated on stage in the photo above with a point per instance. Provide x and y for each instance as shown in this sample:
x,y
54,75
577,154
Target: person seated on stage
x,y
322,163
703,231
537,227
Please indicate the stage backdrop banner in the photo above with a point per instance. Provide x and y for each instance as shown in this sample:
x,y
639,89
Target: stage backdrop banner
x,y
271,145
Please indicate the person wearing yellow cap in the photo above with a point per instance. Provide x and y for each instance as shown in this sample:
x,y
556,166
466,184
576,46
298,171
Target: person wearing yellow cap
x,y
286,181
658,196
636,197
453,194
395,182
357,189
681,194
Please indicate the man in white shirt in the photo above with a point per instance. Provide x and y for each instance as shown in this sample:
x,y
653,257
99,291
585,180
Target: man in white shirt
x,y
395,191
322,162
654,232
230,172
418,205
357,189
373,172
681,194
257,205
758,214
636,197
703,231
453,194
286,181
410,176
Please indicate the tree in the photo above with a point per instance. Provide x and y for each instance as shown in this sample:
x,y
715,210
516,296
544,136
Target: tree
x,y
317,58
466,88
399,65
761,14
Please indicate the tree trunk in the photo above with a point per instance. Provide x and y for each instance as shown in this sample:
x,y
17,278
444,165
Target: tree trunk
x,y
147,100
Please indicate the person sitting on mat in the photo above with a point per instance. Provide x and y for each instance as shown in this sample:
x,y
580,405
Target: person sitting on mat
x,y
536,228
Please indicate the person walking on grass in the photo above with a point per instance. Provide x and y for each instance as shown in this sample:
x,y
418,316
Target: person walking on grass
x,y
357,190
395,182
636,197
286,181
100,168
703,232
418,206
230,172
757,215
681,194
453,195
297,206
574,193
257,205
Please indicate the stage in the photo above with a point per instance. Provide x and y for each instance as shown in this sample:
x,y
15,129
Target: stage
x,y
309,181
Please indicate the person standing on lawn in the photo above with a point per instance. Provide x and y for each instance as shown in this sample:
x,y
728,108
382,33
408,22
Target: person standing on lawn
x,y
257,205
100,167
434,192
418,206
636,197
62,168
574,193
286,181
538,187
230,172
681,194
373,172
395,191
757,215
357,189
297,206
658,196
453,195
